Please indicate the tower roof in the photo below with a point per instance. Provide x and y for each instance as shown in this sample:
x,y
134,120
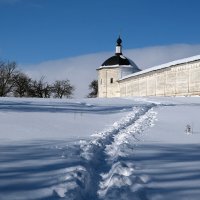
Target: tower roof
x,y
118,60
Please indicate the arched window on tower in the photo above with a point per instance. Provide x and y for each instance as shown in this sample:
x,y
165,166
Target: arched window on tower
x,y
111,80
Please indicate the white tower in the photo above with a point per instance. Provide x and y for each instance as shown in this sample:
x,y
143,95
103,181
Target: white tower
x,y
113,69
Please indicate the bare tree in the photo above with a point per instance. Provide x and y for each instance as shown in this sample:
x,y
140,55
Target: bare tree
x,y
94,87
47,91
7,73
39,89
62,88
21,85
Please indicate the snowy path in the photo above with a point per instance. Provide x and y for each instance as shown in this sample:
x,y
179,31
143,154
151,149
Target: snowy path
x,y
107,173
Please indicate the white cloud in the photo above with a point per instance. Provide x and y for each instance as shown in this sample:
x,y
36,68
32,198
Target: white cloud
x,y
81,70
151,56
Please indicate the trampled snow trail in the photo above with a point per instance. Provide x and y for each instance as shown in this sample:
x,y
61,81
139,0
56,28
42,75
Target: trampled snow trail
x,y
107,171
120,181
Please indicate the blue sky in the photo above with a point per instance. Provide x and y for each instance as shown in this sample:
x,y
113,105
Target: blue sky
x,y
34,31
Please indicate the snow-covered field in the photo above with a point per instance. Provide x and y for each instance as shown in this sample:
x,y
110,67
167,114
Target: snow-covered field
x,y
92,149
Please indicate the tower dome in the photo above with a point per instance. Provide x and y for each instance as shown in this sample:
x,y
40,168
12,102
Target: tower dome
x,y
119,59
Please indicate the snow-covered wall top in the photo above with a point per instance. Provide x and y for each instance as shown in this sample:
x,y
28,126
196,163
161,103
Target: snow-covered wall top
x,y
166,65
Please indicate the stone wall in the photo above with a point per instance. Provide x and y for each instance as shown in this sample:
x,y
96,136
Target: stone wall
x,y
178,80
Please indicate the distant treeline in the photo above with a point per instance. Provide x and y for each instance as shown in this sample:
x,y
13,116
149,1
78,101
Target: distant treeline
x,y
14,82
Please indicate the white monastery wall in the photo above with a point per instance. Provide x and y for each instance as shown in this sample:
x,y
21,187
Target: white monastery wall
x,y
177,80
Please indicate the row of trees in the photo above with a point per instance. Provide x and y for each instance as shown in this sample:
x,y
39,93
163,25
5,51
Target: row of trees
x,y
14,82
